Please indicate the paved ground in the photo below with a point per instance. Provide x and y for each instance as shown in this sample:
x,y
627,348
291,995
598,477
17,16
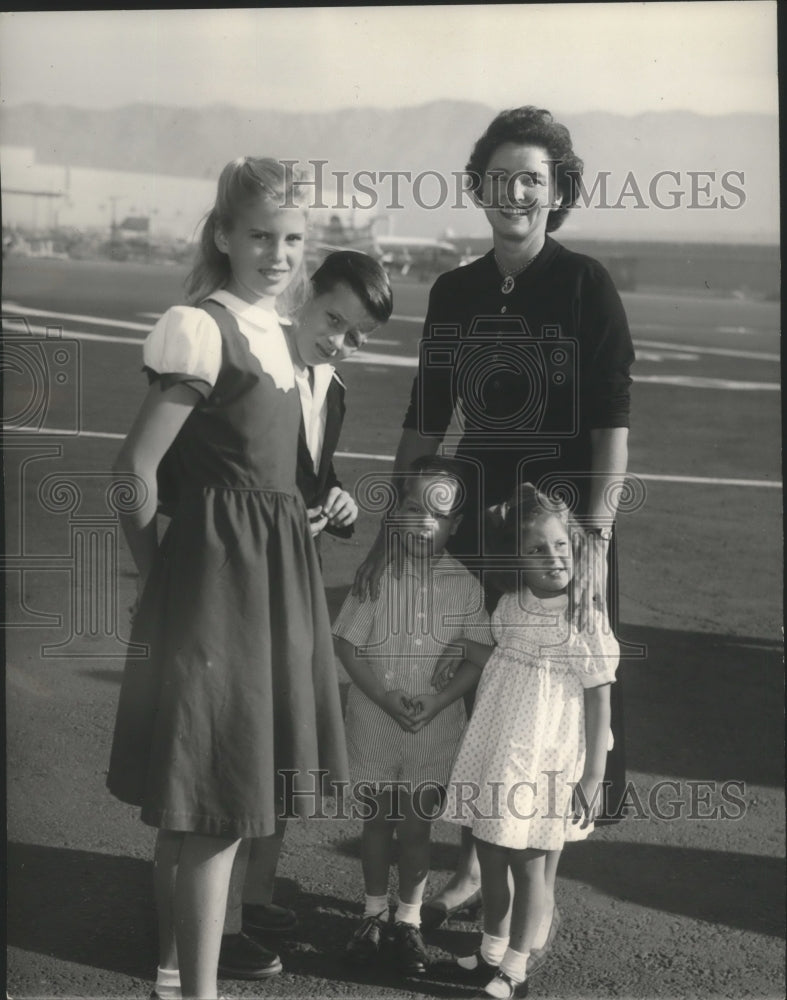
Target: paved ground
x,y
684,907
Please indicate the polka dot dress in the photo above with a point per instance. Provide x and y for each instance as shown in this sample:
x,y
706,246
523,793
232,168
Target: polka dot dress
x,y
524,747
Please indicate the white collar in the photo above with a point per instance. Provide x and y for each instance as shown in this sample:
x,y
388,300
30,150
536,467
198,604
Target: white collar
x,y
258,315
322,376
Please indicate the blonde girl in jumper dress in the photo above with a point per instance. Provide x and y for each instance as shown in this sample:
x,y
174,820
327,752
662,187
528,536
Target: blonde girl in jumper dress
x,y
528,773
239,685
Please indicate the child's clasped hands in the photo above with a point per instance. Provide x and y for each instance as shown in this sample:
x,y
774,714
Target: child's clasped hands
x,y
412,712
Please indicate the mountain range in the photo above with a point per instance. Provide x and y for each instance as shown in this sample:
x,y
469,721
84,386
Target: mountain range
x,y
659,175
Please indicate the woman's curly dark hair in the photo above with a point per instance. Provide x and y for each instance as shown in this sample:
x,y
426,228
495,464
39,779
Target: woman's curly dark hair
x,y
533,127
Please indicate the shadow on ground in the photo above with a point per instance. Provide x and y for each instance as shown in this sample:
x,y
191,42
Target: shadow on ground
x,y
103,917
103,914
704,706
742,891
81,906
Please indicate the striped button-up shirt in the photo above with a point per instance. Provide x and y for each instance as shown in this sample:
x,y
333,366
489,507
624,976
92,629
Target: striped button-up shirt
x,y
403,633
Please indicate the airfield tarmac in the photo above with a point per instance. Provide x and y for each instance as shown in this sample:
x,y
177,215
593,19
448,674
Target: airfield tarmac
x,y
685,907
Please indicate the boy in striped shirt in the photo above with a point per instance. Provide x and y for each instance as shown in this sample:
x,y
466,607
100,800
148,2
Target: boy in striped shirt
x,y
402,733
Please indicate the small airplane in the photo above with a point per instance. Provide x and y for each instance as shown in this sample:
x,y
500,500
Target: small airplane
x,y
420,256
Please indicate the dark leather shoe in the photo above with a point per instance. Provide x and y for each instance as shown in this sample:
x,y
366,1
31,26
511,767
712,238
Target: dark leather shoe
x,y
477,974
435,914
409,949
514,989
364,945
268,918
241,957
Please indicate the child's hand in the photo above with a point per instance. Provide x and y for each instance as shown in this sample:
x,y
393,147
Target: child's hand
x,y
339,508
426,707
317,520
588,799
444,671
133,608
398,705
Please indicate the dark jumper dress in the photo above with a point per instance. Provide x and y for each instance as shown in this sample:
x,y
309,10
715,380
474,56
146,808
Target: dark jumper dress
x,y
240,681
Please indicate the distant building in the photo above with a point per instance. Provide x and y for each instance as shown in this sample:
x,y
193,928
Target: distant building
x,y
38,196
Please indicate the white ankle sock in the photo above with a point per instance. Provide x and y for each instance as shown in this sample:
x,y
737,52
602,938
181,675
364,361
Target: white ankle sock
x,y
408,913
493,948
514,964
168,984
375,906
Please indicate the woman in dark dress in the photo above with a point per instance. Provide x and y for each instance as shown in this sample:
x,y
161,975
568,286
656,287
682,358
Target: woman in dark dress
x,y
530,348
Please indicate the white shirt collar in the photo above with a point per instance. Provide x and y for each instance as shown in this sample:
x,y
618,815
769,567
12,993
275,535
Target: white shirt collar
x,y
313,407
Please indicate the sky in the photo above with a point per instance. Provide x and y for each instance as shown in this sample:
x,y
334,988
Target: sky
x,y
712,58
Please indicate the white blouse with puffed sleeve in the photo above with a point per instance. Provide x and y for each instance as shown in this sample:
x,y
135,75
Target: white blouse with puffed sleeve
x,y
185,341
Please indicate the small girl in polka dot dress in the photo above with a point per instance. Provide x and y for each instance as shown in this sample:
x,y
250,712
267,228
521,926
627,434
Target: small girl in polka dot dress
x,y
527,776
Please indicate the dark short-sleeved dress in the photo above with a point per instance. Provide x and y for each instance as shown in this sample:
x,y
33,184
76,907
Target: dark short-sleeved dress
x,y
532,373
240,681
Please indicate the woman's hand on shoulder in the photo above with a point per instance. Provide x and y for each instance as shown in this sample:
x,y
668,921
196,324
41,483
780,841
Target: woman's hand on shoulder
x,y
370,572
444,670
588,587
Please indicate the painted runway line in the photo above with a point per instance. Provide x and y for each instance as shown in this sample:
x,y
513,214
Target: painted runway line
x,y
679,381
657,357
367,456
640,326
699,382
14,309
46,333
721,352
373,359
